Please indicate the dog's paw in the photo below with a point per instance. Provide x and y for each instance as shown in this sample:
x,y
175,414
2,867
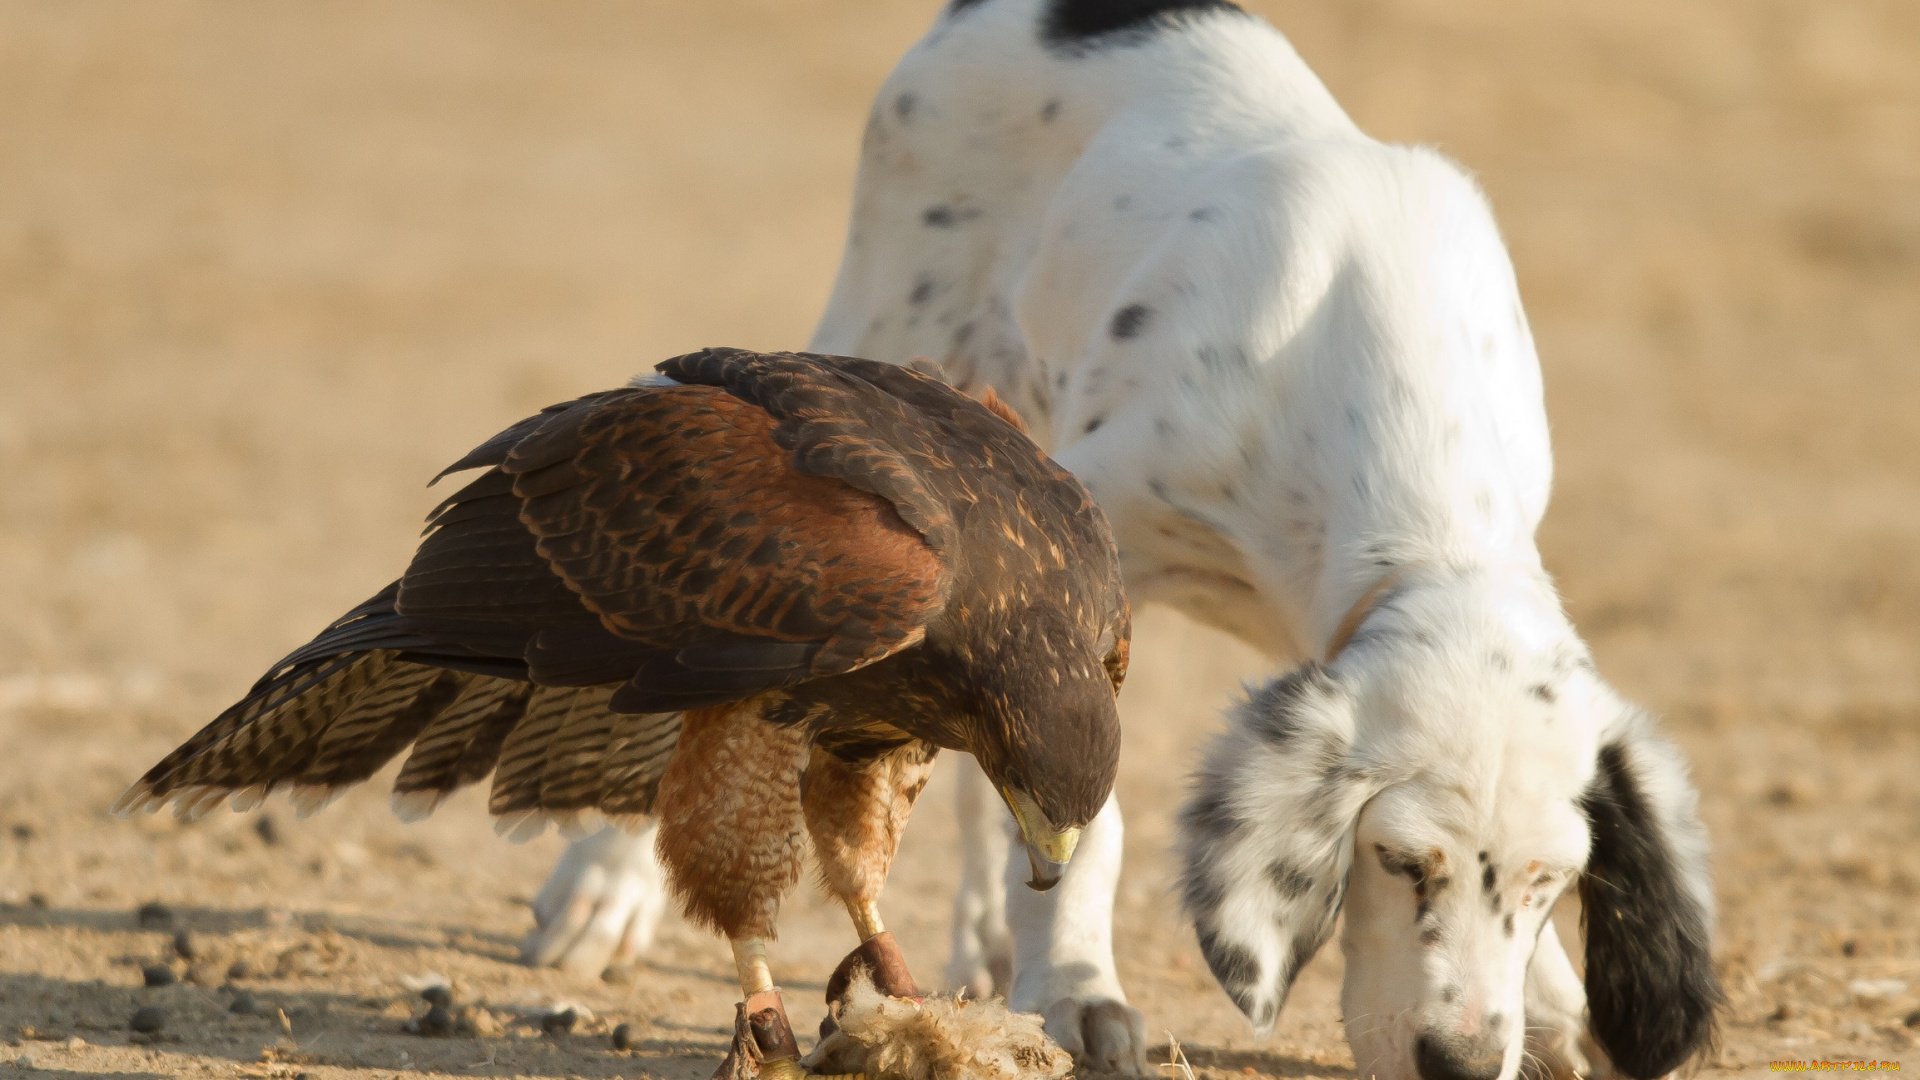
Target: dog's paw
x,y
1102,1034
600,907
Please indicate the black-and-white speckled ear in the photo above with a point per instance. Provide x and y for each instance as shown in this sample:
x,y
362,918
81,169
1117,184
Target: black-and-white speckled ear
x,y
1648,905
1267,836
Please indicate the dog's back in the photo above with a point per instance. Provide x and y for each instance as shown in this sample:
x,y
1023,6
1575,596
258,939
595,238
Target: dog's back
x,y
1232,313
996,124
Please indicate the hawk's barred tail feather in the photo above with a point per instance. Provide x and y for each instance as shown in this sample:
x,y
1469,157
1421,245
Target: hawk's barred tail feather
x,y
557,754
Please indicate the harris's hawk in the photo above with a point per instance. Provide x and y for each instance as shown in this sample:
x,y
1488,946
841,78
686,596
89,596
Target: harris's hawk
x,y
753,594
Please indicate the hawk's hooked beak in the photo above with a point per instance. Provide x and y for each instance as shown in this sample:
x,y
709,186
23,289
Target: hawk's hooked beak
x,y
1048,848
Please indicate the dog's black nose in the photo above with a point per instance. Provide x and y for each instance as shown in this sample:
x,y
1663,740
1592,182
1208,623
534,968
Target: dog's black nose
x,y
1458,1057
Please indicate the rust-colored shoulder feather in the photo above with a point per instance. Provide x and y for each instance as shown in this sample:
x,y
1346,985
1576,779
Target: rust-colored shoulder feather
x,y
998,406
679,520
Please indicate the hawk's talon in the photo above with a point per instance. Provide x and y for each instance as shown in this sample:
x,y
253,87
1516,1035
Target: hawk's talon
x,y
885,964
880,957
764,1047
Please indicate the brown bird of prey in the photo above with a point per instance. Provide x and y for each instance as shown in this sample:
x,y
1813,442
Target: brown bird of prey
x,y
753,594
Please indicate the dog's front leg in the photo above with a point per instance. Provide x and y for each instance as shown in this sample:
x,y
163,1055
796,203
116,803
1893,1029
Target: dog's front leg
x,y
982,959
1063,951
1557,1014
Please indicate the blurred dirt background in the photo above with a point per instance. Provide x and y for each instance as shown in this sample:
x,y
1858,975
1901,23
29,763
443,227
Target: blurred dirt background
x,y
266,267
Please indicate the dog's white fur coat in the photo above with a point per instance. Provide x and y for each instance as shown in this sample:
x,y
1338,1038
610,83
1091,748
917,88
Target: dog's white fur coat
x,y
1292,365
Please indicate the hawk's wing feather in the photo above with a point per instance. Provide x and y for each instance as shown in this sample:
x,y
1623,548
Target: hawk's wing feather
x,y
638,750
459,746
674,515
266,738
380,723
570,776
893,430
494,450
624,557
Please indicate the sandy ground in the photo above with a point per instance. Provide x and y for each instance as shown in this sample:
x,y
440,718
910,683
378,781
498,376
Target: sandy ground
x,y
264,268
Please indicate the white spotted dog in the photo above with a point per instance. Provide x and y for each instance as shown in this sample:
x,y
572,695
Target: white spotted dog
x,y
1291,364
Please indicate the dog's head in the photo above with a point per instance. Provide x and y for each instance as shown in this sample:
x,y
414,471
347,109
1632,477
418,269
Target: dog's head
x,y
1447,793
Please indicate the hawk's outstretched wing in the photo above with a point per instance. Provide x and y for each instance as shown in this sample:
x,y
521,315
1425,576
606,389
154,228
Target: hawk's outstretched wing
x,y
764,521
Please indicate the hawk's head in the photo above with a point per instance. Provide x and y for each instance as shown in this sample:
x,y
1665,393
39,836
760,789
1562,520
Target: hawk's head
x,y
1047,732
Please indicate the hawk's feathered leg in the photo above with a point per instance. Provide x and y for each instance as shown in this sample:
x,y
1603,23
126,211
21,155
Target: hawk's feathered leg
x,y
731,836
855,814
730,825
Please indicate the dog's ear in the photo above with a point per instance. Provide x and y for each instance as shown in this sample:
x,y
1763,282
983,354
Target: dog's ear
x,y
1267,836
1647,905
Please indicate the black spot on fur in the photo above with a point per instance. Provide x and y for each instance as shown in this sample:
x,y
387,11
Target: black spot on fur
x,y
947,217
1326,813
1081,26
1050,110
1488,877
1306,944
1289,881
1396,863
922,291
1483,856
1129,321
1544,693
1093,425
1651,990
903,106
1449,994
1201,893
1205,213
1506,924
1339,772
1207,816
1233,967
1500,661
1273,711
1431,935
